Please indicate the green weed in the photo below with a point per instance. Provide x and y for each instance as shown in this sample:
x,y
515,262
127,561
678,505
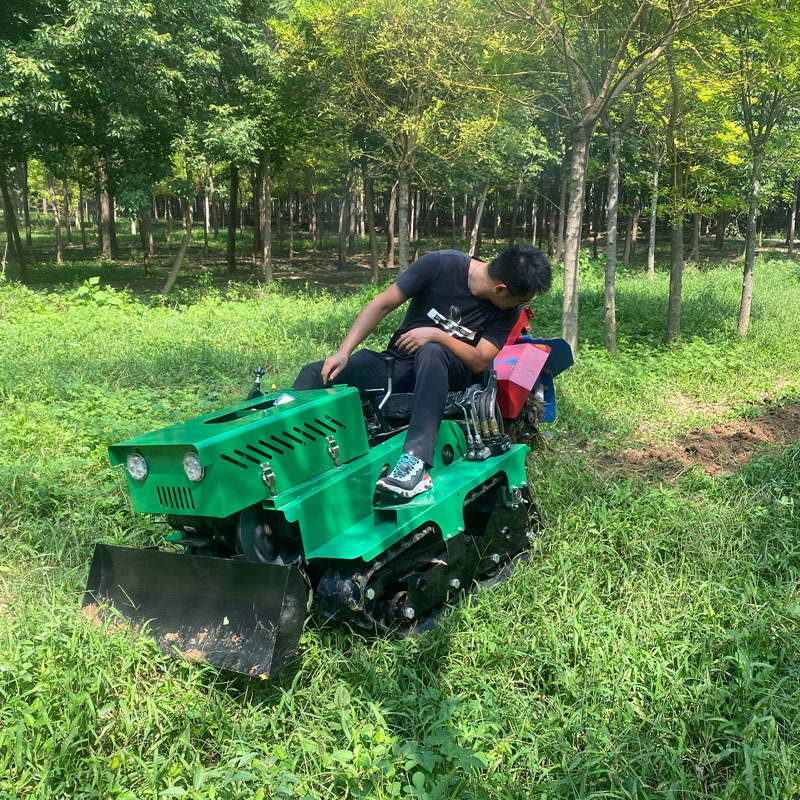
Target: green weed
x,y
649,650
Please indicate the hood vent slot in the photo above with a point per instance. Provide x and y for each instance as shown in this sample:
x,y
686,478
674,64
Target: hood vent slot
x,y
175,497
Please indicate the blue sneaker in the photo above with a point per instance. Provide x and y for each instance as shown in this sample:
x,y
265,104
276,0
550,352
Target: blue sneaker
x,y
408,479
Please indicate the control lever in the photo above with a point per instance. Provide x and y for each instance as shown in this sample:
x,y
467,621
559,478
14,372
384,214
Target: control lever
x,y
259,373
389,364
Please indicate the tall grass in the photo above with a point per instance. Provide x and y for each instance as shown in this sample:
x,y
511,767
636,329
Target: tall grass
x,y
649,650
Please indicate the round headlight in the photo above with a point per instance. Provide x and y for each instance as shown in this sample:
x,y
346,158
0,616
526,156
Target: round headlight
x,y
136,466
192,468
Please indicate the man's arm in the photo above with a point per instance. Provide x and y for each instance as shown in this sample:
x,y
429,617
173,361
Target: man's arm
x,y
476,358
366,322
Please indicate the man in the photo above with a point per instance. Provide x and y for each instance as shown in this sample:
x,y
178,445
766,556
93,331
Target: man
x,y
461,312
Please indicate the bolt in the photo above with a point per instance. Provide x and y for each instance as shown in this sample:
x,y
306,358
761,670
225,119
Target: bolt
x,y
409,613
455,584
506,533
461,529
495,557
370,593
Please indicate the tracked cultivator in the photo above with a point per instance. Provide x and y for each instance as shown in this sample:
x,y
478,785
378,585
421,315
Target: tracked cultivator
x,y
272,502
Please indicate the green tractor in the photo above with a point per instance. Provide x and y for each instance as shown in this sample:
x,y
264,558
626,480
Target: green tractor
x,y
272,504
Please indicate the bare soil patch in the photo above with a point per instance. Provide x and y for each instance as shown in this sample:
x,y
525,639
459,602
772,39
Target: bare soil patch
x,y
717,449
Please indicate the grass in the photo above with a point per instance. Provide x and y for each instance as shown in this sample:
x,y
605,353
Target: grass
x,y
650,651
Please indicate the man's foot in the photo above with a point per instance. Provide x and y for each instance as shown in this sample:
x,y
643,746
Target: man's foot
x,y
408,479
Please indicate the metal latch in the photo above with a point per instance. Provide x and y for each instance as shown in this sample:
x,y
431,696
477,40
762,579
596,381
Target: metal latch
x,y
268,476
333,451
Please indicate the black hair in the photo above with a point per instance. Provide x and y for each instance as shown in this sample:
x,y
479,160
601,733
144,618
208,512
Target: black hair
x,y
524,269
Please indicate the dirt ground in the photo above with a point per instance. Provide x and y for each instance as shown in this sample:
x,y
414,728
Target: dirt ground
x,y
717,449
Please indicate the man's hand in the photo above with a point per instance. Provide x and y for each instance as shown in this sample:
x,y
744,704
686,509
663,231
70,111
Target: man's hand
x,y
412,340
333,366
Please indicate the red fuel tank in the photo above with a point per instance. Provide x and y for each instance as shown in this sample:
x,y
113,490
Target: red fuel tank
x,y
517,366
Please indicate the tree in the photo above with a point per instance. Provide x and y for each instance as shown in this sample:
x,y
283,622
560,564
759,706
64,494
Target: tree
x,y
27,95
616,132
605,47
761,41
403,71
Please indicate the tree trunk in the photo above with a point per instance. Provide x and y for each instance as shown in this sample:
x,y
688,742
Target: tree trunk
x,y
342,263
412,216
56,220
430,215
313,221
9,231
352,223
597,208
696,221
265,214
26,209
632,232
750,244
476,225
11,221
81,219
515,212
390,217
188,218
402,219
145,238
534,218
676,261
524,217
206,214
112,203
453,221
651,245
676,250
610,315
67,224
793,218
572,246
369,202
550,227
424,221
168,215
255,204
291,223
562,208
213,202
233,213
105,210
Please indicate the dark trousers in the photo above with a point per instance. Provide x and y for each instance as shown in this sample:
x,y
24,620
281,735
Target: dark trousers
x,y
429,374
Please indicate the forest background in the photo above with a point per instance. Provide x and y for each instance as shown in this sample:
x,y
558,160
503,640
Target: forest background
x,y
193,189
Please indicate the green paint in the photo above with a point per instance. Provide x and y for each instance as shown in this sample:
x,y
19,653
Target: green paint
x,y
232,444
331,505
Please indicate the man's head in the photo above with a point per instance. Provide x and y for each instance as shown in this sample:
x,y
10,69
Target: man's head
x,y
519,274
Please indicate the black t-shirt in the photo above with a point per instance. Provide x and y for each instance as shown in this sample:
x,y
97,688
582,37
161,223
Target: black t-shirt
x,y
437,285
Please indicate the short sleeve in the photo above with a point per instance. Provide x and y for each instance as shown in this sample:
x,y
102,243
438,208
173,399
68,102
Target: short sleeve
x,y
500,327
420,275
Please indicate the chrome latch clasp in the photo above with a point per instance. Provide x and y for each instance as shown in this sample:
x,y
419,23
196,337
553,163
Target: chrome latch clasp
x,y
333,451
268,477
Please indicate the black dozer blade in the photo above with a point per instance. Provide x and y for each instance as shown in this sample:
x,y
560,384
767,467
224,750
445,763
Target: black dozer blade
x,y
236,615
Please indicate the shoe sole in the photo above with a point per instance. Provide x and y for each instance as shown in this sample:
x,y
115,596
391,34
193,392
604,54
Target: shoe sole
x,y
423,486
